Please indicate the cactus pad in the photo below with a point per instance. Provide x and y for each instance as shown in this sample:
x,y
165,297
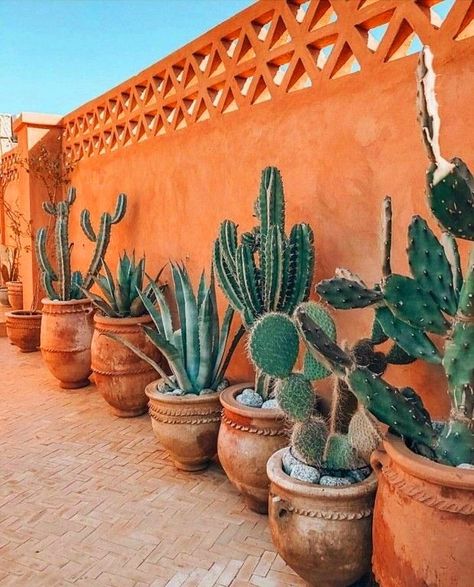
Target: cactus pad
x,y
455,444
343,293
339,454
308,441
273,344
412,340
397,356
412,304
296,397
452,199
312,368
363,434
430,266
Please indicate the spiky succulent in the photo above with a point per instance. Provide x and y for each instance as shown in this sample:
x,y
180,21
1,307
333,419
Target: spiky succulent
x,y
273,348
70,285
196,345
120,297
268,270
434,300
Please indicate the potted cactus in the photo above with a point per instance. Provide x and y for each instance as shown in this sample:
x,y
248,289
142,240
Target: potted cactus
x,y
266,271
424,512
120,375
184,406
322,490
67,325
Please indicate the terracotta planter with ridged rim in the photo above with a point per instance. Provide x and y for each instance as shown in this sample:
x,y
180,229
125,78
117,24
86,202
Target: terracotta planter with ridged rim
x,y
187,426
4,297
323,533
15,294
66,334
247,439
23,329
121,376
423,520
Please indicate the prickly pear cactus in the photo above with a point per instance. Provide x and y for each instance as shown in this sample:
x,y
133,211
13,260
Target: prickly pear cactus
x,y
70,284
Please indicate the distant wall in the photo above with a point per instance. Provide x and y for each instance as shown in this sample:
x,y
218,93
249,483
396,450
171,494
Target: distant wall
x,y
300,85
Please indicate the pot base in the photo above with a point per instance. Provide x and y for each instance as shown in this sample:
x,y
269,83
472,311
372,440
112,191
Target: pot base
x,y
74,384
191,467
133,413
259,506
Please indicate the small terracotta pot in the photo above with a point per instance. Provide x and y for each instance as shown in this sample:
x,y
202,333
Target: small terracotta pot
x,y
23,329
15,294
187,426
66,334
121,376
4,296
423,520
247,439
323,533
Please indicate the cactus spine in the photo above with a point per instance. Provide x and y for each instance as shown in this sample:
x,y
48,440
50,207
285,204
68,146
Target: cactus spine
x,y
435,299
70,284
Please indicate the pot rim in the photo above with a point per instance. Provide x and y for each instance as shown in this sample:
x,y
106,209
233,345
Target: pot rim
x,y
82,301
107,320
229,402
153,394
24,314
7,283
425,469
3,288
277,475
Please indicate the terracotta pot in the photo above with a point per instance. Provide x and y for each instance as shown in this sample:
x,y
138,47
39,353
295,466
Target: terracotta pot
x,y
15,294
120,376
23,329
4,296
423,520
187,426
323,533
66,334
247,439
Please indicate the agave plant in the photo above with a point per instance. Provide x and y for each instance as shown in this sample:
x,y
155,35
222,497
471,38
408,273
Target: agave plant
x,y
9,261
195,346
120,298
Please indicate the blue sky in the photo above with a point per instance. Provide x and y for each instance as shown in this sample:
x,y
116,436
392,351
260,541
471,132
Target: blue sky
x,y
57,54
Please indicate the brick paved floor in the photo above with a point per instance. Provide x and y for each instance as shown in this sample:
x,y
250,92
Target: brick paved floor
x,y
90,499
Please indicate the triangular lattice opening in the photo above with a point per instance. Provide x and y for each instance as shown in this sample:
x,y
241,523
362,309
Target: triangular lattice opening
x,y
406,43
299,79
323,15
346,63
466,29
280,34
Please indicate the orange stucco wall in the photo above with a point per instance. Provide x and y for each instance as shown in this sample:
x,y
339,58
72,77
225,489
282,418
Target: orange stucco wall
x,y
341,145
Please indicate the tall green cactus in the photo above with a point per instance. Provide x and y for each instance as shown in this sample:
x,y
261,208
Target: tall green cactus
x,y
434,300
268,270
70,285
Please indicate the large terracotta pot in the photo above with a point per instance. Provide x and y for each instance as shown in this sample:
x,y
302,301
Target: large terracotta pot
x,y
15,294
423,520
119,374
186,425
4,296
323,533
23,329
66,334
247,439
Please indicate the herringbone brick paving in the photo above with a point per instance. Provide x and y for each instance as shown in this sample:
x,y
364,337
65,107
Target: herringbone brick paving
x,y
87,498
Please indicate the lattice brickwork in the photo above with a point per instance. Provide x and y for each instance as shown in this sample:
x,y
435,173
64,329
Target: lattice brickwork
x,y
271,49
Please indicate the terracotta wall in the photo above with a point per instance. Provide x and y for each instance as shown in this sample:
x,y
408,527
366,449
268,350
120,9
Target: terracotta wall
x,y
187,144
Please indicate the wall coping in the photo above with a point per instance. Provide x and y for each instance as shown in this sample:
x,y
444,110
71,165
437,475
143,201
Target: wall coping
x,y
36,119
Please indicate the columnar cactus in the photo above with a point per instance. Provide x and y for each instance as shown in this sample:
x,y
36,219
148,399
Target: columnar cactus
x,y
434,300
70,285
273,348
267,271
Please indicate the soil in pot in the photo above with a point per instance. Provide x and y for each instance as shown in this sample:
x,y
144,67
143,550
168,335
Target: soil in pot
x,y
23,329
121,376
323,533
247,438
423,520
186,425
66,334
15,294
